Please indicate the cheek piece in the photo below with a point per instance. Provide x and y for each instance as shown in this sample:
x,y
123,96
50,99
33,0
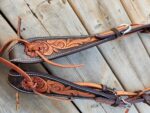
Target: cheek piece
x,y
45,49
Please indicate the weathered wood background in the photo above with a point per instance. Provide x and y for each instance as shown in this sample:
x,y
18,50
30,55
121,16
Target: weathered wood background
x,y
122,63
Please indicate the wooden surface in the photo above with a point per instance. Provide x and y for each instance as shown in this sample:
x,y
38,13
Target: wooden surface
x,y
123,63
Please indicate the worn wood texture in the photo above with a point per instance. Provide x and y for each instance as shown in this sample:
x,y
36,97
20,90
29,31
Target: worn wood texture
x,y
115,63
139,12
49,24
28,103
29,21
127,57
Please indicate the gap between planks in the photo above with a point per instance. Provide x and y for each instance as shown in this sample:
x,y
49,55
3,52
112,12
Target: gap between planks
x,y
123,5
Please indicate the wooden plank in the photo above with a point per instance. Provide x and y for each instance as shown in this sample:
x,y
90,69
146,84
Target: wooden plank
x,y
28,22
127,57
100,73
56,12
28,103
139,12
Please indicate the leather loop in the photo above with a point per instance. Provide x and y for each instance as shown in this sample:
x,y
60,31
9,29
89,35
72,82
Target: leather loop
x,y
117,32
107,89
117,102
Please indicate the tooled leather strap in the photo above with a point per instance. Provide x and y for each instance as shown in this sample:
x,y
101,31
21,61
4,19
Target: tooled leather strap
x,y
58,46
54,86
62,88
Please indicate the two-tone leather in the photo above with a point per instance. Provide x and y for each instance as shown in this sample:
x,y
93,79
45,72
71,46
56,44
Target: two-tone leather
x,y
17,52
39,49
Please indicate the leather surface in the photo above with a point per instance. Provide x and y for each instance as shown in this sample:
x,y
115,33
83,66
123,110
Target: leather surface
x,y
50,85
107,97
17,52
15,79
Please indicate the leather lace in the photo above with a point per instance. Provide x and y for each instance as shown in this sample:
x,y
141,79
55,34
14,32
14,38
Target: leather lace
x,y
37,51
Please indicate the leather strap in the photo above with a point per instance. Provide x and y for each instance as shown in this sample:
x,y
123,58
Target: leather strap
x,y
111,98
58,46
44,49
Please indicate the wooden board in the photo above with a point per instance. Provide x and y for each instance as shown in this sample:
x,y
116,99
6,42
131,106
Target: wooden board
x,y
139,12
28,21
77,17
127,57
28,103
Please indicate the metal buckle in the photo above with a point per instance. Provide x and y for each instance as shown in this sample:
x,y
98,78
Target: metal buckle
x,y
128,29
127,104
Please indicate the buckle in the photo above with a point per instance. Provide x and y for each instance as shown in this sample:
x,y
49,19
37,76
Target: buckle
x,y
119,33
127,30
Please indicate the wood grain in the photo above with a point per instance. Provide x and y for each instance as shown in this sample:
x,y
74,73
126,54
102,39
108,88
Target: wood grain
x,y
47,14
71,74
127,57
139,12
29,20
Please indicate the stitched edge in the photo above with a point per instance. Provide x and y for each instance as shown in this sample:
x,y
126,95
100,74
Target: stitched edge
x,y
28,60
53,56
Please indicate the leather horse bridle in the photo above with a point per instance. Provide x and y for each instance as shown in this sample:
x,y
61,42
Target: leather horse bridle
x,y
44,49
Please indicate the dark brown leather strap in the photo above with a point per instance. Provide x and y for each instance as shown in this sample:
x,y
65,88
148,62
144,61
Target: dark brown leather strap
x,y
59,46
85,92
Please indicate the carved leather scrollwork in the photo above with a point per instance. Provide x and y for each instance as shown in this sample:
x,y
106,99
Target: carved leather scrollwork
x,y
43,86
48,47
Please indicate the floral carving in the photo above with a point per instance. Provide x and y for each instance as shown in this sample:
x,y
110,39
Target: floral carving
x,y
48,47
48,86
41,46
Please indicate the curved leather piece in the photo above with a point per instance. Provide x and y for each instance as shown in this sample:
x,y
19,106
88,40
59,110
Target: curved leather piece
x,y
15,81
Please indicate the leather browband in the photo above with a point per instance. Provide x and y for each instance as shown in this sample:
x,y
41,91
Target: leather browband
x,y
57,46
39,49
